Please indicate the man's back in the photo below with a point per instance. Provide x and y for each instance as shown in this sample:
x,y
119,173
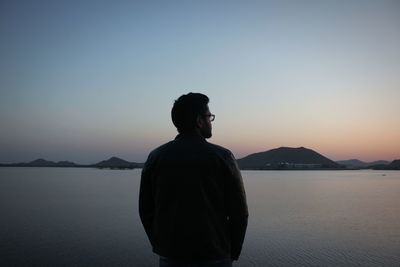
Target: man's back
x,y
192,200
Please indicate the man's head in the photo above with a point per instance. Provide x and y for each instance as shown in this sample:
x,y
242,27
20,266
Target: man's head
x,y
190,113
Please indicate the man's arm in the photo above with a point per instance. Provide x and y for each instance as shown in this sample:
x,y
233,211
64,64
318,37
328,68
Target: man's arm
x,y
146,200
238,212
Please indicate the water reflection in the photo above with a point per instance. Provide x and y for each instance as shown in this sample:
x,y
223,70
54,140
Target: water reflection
x,y
88,217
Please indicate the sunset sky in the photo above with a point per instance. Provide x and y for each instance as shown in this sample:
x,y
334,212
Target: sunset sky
x,y
86,80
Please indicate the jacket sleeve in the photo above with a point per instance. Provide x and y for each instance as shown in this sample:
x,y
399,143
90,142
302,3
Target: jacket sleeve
x,y
146,200
237,207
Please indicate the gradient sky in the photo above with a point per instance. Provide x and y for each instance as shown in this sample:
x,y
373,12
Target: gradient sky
x,y
86,80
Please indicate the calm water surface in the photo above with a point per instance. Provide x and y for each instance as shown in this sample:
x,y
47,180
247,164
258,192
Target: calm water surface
x,y
89,217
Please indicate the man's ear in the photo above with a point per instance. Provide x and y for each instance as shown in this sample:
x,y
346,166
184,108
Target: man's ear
x,y
199,121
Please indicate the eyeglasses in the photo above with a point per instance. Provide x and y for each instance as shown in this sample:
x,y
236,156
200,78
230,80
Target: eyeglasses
x,y
211,116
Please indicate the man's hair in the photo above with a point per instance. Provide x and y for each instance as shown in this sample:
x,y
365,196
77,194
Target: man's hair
x,y
186,109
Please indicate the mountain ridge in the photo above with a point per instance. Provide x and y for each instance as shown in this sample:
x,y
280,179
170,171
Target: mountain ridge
x,y
394,165
112,163
287,158
116,163
356,163
282,158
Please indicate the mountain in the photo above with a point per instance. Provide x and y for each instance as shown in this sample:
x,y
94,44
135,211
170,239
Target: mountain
x,y
113,163
355,163
41,163
394,165
287,158
352,163
116,163
66,164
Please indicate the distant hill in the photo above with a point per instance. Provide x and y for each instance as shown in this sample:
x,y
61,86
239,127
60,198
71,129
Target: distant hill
x,y
41,163
394,165
66,164
287,158
112,163
116,163
45,163
355,163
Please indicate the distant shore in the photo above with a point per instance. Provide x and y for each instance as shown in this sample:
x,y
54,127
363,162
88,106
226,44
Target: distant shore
x,y
278,159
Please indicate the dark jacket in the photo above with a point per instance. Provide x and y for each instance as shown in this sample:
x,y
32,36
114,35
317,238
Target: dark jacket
x,y
192,201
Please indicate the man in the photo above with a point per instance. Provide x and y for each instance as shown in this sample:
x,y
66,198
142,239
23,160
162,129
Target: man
x,y
192,201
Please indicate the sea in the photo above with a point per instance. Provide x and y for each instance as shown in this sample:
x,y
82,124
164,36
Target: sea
x,y
89,217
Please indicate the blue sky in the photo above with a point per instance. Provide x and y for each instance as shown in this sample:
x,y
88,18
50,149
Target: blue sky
x,y
85,80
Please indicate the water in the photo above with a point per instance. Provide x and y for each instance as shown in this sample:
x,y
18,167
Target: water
x,y
89,217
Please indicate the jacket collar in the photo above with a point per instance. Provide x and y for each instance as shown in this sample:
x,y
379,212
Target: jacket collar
x,y
191,136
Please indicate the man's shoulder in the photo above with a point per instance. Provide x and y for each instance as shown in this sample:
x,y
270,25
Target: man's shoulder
x,y
155,154
160,149
172,145
220,150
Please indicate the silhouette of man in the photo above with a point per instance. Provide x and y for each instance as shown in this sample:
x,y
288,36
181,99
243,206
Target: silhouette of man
x,y
192,201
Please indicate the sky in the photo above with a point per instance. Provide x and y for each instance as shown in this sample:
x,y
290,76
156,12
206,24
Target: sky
x,y
87,80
